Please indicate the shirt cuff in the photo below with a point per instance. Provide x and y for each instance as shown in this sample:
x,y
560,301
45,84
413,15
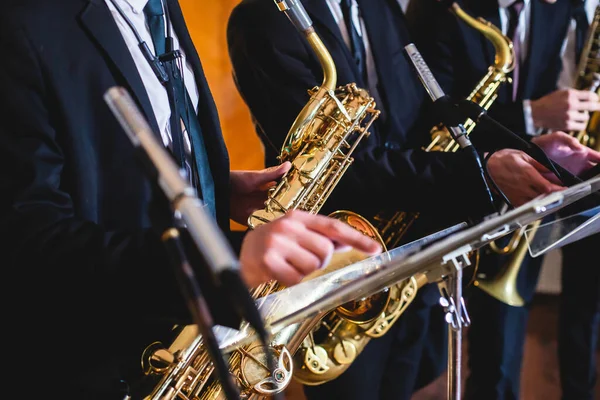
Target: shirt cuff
x,y
530,128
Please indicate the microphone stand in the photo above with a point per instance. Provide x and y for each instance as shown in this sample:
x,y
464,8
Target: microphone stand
x,y
198,308
203,229
451,285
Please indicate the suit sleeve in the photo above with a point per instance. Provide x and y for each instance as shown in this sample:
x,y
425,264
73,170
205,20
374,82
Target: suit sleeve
x,y
274,67
66,263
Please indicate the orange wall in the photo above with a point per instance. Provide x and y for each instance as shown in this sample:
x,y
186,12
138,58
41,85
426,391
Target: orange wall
x,y
207,21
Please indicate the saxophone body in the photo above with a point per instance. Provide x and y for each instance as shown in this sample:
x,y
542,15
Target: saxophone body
x,y
338,338
588,78
319,145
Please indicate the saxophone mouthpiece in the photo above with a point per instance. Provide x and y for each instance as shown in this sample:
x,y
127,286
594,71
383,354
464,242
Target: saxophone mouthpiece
x,y
296,13
446,3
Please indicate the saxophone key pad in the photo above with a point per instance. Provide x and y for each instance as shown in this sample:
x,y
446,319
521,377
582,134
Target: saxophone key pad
x,y
344,352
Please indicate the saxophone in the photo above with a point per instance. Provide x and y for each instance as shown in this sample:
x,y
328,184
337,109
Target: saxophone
x,y
588,78
335,343
319,145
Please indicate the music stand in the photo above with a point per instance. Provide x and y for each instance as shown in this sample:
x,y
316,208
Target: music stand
x,y
442,261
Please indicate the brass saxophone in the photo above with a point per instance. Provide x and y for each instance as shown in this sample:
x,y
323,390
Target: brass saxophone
x,y
319,146
503,285
338,339
588,78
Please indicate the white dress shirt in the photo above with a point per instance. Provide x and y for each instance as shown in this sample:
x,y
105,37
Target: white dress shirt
x,y
524,25
134,10
404,4
569,64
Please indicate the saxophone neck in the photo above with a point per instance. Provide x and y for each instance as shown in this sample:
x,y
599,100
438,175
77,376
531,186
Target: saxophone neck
x,y
504,61
297,14
589,64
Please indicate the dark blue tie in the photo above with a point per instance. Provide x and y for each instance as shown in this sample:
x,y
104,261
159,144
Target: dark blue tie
x,y
356,41
198,167
156,22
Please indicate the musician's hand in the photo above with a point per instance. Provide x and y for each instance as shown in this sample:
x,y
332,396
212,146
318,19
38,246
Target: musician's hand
x,y
249,190
564,110
520,177
568,152
295,245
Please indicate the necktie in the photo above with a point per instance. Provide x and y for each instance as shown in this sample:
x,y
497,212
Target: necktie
x,y
196,164
514,11
156,22
581,30
357,45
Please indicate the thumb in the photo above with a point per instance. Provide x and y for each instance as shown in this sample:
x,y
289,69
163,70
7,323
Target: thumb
x,y
273,173
593,156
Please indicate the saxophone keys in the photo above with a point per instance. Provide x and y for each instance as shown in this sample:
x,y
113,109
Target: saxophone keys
x,y
315,359
156,359
344,352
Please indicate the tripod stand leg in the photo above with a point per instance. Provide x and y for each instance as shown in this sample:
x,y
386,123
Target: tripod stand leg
x,y
457,318
455,345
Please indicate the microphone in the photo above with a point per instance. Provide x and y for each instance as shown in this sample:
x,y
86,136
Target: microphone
x,y
220,258
435,91
448,112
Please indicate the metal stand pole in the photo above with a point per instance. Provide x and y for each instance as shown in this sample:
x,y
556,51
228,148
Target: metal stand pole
x,y
457,318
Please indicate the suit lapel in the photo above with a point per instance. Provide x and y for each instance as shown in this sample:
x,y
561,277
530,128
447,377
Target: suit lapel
x,y
98,21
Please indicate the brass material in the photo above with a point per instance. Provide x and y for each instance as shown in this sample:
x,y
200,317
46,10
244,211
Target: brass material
x,y
503,286
169,234
393,225
588,78
486,91
319,146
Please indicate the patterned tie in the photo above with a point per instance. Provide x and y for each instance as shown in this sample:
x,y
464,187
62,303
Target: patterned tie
x,y
357,45
581,30
200,174
514,11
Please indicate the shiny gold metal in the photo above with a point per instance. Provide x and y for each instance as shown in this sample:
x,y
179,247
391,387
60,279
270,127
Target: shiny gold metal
x,y
503,286
486,91
588,78
319,146
393,225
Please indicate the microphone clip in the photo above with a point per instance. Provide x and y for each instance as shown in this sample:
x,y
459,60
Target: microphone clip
x,y
155,63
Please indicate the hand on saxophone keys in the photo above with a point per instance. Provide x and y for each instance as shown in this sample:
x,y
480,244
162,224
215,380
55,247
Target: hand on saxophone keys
x,y
295,245
249,190
565,109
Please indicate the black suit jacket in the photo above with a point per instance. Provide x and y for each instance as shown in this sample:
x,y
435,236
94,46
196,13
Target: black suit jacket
x,y
274,67
91,276
459,56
